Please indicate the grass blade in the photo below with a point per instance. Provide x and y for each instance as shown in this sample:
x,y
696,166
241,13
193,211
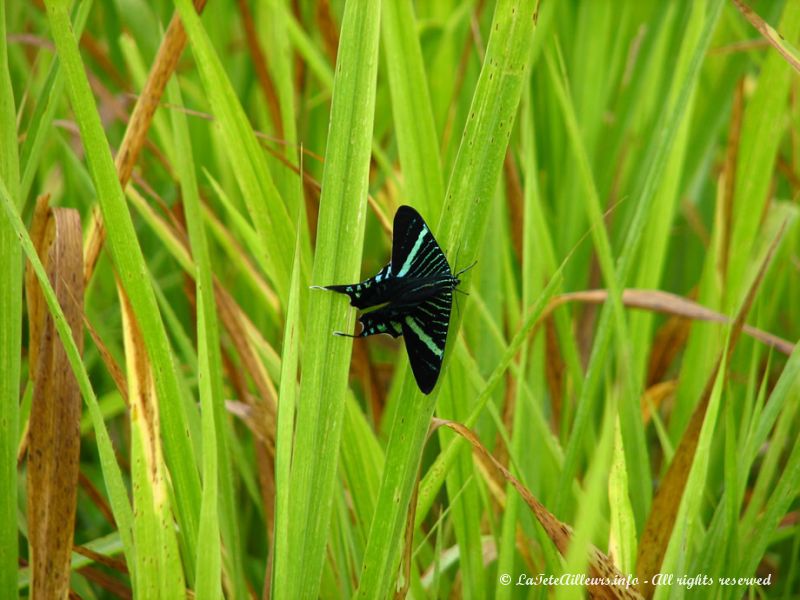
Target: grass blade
x,y
217,509
10,323
411,108
464,216
287,402
158,572
325,357
270,213
131,269
117,493
656,161
54,421
760,138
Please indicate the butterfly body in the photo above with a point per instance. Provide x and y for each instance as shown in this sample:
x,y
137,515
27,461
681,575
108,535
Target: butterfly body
x,y
412,296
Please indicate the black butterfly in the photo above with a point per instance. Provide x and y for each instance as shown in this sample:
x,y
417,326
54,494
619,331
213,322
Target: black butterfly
x,y
415,293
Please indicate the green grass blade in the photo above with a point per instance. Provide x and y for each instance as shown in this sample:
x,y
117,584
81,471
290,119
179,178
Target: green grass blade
x,y
362,463
326,358
158,572
411,109
130,266
630,422
588,519
538,258
657,156
424,186
690,502
313,56
623,523
42,119
287,406
270,213
583,146
217,478
464,217
434,479
757,537
10,324
762,126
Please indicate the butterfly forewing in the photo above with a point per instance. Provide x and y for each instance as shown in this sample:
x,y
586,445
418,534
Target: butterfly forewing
x,y
370,292
415,252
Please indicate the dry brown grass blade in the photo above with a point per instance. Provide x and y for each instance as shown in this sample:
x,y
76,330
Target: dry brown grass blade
x,y
235,323
728,188
600,565
774,38
261,67
115,564
136,133
461,71
664,512
103,580
669,341
670,304
328,29
96,498
554,368
655,396
54,424
109,361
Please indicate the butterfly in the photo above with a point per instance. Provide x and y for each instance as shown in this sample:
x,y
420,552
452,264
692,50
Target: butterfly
x,y
413,295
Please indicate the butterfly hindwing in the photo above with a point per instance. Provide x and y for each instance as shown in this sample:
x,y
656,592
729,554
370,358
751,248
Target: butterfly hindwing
x,y
415,252
382,320
425,333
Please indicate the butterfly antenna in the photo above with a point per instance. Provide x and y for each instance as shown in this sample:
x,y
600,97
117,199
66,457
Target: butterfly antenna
x,y
458,274
464,270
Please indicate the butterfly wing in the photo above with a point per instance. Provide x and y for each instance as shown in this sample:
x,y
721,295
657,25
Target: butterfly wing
x,y
415,252
417,290
383,320
370,292
425,331
415,255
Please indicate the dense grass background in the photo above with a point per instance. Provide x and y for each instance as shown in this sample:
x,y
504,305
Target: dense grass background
x,y
620,390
